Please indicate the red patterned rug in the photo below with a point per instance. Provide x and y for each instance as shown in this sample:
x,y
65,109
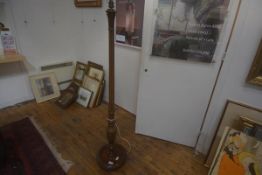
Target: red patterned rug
x,y
24,152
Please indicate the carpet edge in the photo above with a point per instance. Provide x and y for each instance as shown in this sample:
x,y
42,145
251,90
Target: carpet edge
x,y
65,164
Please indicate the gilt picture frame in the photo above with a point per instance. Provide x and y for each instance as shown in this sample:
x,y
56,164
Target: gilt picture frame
x,y
88,3
80,72
255,74
92,85
96,73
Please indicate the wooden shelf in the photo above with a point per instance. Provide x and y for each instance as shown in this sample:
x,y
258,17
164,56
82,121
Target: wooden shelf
x,y
12,59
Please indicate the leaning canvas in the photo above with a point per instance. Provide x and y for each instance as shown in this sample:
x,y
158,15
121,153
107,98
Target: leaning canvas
x,y
44,86
238,154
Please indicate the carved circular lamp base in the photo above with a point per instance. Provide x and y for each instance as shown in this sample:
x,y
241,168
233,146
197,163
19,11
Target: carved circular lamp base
x,y
111,157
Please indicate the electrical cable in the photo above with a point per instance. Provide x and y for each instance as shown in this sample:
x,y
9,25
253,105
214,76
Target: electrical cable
x,y
124,139
119,134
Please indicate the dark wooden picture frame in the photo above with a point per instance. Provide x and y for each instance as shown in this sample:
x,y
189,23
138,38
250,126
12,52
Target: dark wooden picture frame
x,y
69,96
88,3
255,73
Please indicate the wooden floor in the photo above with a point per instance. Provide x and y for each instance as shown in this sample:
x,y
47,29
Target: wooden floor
x,y
78,134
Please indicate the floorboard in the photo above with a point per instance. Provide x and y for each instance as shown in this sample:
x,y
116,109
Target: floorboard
x,y
78,133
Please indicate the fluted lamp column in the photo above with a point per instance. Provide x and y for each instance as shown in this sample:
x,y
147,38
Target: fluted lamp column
x,y
111,156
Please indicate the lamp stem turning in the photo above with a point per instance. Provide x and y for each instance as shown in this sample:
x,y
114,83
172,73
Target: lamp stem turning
x,y
111,156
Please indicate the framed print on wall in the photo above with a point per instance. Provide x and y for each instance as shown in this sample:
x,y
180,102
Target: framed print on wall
x,y
189,29
129,22
44,86
88,3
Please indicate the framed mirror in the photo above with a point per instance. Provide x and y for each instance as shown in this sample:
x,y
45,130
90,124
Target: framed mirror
x,y
255,73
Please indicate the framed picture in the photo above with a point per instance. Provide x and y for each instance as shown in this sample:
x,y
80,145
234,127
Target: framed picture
x,y
96,73
44,86
95,65
93,85
255,74
64,72
84,96
129,22
190,29
80,71
238,153
88,3
100,93
231,117
68,96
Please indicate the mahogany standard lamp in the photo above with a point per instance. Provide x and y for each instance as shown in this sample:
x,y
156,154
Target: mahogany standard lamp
x,y
111,156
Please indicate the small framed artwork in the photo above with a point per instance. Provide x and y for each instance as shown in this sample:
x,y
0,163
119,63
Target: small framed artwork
x,y
96,73
129,22
80,72
68,96
95,65
92,85
84,96
255,74
44,86
88,3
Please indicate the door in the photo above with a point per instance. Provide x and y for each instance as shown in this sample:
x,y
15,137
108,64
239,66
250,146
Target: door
x,y
174,94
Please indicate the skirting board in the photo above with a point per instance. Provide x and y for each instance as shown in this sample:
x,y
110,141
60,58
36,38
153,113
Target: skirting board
x,y
16,101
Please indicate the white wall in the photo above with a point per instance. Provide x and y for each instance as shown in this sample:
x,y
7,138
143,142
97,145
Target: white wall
x,y
57,31
232,85
13,77
127,60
